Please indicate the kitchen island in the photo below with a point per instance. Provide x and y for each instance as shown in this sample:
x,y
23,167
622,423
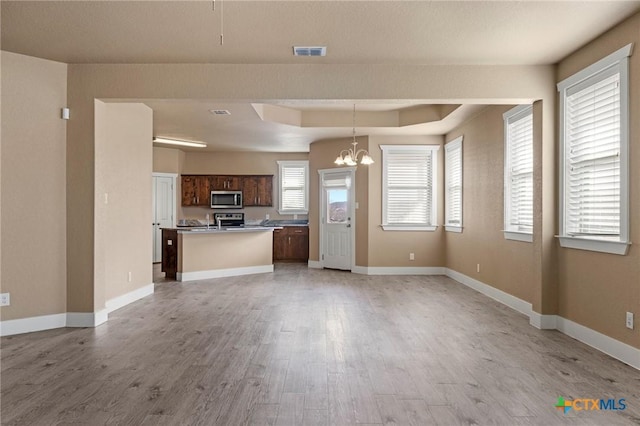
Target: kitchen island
x,y
190,254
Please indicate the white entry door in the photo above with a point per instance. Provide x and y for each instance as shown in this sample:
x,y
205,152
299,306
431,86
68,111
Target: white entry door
x,y
163,210
337,219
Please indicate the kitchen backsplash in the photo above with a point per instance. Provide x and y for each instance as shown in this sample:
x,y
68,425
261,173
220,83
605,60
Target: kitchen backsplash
x,y
251,214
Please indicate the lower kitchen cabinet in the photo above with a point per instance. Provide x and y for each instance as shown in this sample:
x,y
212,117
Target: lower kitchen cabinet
x,y
170,252
291,244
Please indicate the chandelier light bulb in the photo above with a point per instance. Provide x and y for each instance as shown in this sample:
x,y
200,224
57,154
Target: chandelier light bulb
x,y
350,156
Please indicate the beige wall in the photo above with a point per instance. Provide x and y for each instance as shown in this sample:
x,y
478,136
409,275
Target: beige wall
x,y
168,160
322,155
237,163
427,246
123,167
482,240
596,289
33,186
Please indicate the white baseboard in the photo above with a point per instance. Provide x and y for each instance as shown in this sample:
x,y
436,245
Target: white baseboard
x,y
220,273
72,319
28,325
612,347
505,298
87,319
398,270
121,301
314,264
543,322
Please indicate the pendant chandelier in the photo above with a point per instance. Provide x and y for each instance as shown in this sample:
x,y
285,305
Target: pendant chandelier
x,y
349,157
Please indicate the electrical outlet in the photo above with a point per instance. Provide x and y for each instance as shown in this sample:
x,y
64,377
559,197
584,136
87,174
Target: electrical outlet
x,y
412,256
478,268
629,322
266,216
129,276
5,299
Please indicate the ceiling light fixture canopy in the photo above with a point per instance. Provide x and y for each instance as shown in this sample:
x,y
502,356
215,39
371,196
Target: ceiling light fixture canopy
x,y
349,157
193,144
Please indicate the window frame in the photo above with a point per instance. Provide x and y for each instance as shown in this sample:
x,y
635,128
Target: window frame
x,y
432,225
455,144
283,164
620,60
513,115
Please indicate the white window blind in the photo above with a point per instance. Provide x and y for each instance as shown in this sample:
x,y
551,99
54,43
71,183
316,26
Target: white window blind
x,y
594,165
453,185
409,186
519,171
293,186
593,158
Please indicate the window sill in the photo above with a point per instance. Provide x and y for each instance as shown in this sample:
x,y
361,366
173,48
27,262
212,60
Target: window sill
x,y
518,236
451,228
590,244
283,212
409,228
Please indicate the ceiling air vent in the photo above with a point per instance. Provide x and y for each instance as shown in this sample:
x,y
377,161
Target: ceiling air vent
x,y
219,112
309,50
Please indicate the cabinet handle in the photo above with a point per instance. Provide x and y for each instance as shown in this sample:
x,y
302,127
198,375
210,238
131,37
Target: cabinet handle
x,y
297,231
289,240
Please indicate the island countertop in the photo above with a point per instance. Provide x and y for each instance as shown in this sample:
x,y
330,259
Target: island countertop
x,y
215,230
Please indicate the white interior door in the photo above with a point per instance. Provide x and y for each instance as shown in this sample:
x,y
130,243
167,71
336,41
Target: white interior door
x,y
163,210
337,219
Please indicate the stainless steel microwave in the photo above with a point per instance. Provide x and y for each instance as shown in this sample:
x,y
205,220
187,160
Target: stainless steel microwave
x,y
226,199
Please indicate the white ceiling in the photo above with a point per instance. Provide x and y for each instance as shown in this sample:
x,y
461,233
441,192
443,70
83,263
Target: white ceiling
x,y
263,32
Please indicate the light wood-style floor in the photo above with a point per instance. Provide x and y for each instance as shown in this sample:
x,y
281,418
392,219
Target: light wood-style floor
x,y
313,347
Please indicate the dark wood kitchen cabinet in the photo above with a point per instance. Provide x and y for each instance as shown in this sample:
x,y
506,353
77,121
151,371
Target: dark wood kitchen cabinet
x,y
196,190
170,252
257,191
225,183
291,244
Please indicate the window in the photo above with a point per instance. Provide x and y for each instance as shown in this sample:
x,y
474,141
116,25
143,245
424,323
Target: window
x,y
453,185
408,187
518,173
594,171
293,187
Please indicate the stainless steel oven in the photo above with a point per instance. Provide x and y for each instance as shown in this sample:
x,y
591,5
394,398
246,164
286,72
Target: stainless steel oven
x,y
229,220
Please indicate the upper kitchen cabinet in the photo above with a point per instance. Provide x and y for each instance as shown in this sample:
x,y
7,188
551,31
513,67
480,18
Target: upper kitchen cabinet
x,y
257,191
196,191
225,183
